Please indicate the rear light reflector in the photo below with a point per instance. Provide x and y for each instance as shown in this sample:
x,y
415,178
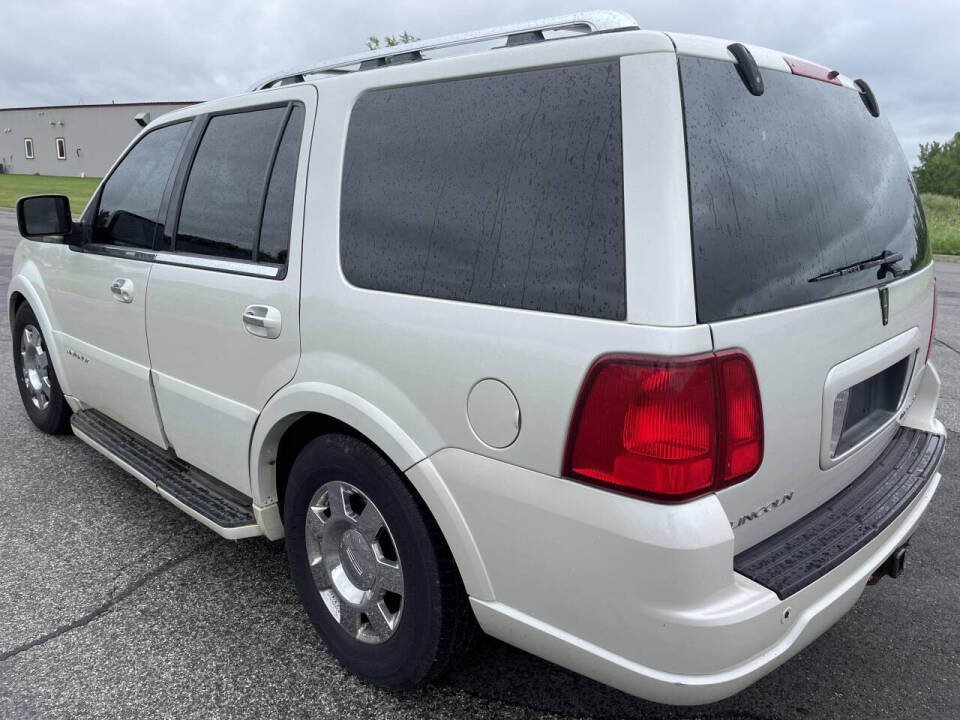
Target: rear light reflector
x,y
669,429
933,322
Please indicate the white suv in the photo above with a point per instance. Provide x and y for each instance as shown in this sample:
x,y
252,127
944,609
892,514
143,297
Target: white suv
x,y
611,342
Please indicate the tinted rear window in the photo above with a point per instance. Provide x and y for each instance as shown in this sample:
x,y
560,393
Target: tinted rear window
x,y
220,214
504,190
789,185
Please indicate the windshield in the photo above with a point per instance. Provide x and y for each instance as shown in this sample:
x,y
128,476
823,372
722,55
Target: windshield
x,y
789,186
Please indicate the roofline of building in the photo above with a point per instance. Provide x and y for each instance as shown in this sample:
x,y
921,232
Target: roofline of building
x,y
99,105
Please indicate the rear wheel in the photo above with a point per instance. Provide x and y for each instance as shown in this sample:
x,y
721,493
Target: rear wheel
x,y
371,566
37,380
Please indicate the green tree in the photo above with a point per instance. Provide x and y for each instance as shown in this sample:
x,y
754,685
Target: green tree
x,y
939,168
373,42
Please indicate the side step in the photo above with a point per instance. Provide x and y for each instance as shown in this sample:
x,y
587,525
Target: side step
x,y
218,506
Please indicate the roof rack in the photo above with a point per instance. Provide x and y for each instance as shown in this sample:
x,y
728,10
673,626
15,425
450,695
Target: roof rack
x,y
521,33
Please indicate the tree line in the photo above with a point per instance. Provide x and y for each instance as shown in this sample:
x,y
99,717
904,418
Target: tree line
x,y
939,168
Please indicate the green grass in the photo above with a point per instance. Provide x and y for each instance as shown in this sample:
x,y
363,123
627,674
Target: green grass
x,y
79,190
943,222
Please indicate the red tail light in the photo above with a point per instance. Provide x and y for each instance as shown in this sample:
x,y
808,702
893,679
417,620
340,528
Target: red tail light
x,y
667,428
933,321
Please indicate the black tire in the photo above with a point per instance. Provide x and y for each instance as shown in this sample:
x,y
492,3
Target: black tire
x,y
436,625
54,418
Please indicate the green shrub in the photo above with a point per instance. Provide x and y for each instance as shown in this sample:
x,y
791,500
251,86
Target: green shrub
x,y
943,222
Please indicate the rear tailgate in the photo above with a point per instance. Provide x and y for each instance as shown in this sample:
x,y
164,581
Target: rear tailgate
x,y
786,188
794,352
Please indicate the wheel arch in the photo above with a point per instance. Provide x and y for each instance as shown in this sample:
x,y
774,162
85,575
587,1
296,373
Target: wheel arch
x,y
323,407
15,301
301,412
21,291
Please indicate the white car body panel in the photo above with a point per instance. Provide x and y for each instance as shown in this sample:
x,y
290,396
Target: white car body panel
x,y
102,342
27,282
746,625
779,345
212,376
656,200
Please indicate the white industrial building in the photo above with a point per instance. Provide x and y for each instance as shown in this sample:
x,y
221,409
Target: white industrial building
x,y
77,140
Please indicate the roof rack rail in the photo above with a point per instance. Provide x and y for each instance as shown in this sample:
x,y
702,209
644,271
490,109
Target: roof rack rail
x,y
521,33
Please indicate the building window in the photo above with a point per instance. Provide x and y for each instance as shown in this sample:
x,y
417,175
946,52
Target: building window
x,y
28,148
61,149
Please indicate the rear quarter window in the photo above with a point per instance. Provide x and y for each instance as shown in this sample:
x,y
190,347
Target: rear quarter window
x,y
504,190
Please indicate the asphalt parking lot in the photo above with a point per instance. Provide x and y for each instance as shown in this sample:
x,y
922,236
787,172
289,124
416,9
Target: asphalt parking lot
x,y
114,604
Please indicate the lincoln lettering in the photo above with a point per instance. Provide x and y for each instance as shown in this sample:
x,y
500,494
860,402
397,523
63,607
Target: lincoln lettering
x,y
744,519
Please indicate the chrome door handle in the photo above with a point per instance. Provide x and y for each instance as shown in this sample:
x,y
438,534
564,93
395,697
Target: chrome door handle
x,y
262,321
122,290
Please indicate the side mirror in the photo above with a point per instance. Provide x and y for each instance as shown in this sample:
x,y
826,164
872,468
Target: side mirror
x,y
40,215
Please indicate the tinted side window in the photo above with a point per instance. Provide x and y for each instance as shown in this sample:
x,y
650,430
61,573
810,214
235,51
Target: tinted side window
x,y
278,208
504,190
131,198
220,213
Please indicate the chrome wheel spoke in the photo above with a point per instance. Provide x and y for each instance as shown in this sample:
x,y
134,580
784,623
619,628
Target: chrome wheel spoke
x,y
354,562
370,523
389,577
319,572
381,620
316,521
350,618
337,501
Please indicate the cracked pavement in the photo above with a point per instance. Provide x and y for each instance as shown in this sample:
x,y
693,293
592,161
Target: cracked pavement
x,y
114,604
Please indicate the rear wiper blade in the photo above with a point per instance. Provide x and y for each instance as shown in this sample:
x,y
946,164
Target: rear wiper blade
x,y
885,260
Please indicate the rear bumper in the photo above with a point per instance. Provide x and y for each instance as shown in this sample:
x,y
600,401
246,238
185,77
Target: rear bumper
x,y
642,597
811,547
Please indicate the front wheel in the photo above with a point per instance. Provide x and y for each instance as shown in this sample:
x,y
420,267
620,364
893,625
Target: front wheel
x,y
37,380
371,567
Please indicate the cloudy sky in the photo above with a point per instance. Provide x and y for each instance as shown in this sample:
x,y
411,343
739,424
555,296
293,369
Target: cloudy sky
x,y
84,51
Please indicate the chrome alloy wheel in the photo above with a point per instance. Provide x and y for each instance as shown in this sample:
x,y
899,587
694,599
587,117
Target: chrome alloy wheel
x,y
354,562
35,366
